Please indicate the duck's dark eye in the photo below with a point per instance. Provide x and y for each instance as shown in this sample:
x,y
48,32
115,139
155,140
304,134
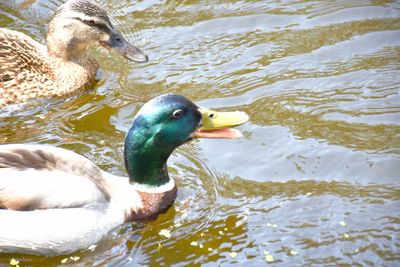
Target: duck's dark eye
x,y
90,22
177,114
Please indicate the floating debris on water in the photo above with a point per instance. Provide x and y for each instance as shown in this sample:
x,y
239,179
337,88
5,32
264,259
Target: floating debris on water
x,y
233,254
14,262
269,258
342,223
76,258
221,233
210,249
293,252
72,258
165,232
346,236
194,243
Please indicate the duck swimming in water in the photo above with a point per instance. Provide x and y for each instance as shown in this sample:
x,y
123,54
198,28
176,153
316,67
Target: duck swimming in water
x,y
31,70
54,201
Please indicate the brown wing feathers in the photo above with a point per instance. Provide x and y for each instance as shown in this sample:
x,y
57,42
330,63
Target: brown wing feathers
x,y
23,159
20,158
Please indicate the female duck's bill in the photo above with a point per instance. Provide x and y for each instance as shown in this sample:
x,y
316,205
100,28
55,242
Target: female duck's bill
x,y
117,42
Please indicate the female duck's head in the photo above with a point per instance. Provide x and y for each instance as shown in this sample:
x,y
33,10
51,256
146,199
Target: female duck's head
x,y
78,24
165,123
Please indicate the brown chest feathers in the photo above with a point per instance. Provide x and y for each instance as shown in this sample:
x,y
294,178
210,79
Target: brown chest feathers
x,y
153,205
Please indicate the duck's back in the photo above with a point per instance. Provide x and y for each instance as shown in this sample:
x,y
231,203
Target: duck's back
x,y
19,53
24,71
43,177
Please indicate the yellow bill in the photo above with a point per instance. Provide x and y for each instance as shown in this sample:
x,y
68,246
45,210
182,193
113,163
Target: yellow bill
x,y
217,124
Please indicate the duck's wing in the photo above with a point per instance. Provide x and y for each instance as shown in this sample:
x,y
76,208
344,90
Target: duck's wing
x,y
27,86
19,53
24,71
43,177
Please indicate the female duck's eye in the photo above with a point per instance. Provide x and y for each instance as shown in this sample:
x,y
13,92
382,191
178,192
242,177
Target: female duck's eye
x,y
90,22
177,114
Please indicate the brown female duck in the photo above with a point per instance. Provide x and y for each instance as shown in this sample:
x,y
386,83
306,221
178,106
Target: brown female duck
x,y
30,70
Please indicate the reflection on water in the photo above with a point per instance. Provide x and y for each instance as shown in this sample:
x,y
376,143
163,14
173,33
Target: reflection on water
x,y
315,181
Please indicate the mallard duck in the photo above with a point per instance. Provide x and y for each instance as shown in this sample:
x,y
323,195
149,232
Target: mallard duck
x,y
54,201
29,69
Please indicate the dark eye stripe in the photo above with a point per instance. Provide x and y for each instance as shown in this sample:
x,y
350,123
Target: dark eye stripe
x,y
101,26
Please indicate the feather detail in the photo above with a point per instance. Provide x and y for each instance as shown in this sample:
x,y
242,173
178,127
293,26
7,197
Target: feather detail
x,y
19,53
41,177
27,71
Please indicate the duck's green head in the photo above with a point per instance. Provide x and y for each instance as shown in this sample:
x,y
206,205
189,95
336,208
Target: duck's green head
x,y
165,123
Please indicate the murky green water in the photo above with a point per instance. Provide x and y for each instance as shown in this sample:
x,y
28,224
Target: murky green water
x,y
315,181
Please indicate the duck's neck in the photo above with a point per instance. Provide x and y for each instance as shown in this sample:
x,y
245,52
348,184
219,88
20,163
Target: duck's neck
x,y
66,50
62,44
146,163
73,68
145,160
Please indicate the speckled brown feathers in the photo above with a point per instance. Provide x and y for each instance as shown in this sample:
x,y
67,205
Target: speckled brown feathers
x,y
23,73
28,72
19,53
